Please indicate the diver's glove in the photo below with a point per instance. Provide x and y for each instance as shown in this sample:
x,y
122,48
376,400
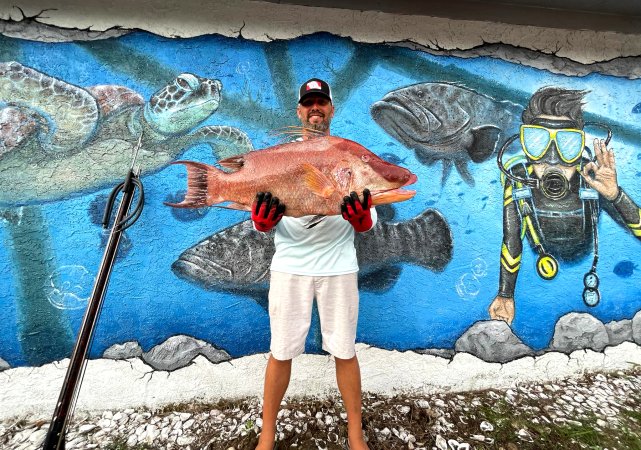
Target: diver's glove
x,y
358,213
266,211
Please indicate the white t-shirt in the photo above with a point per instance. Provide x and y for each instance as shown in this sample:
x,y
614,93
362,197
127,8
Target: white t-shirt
x,y
324,249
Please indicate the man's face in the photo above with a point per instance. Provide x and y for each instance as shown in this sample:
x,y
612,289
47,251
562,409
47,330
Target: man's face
x,y
315,112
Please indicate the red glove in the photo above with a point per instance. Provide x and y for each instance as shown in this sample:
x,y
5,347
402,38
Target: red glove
x,y
358,213
266,211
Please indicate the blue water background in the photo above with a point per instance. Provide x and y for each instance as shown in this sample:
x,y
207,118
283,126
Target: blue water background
x,y
147,303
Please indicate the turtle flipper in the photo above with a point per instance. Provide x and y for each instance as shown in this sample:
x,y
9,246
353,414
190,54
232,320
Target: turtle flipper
x,y
16,127
71,110
225,141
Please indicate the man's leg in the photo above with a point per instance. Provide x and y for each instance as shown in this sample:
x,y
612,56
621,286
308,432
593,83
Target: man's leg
x,y
290,312
277,377
348,377
337,298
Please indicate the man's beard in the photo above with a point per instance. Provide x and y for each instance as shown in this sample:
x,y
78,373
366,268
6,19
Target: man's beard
x,y
319,126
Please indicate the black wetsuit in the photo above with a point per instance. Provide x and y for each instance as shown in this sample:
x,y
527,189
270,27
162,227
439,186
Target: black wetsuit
x,y
563,226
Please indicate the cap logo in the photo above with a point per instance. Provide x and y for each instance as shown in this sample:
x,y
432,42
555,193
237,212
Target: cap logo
x,y
313,85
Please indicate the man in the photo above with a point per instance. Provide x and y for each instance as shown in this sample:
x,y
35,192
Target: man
x,y
546,195
315,257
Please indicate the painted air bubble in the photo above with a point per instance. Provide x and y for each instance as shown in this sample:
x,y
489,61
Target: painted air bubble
x,y
468,285
70,287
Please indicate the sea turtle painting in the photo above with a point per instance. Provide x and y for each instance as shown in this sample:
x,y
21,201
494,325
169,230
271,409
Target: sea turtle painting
x,y
59,140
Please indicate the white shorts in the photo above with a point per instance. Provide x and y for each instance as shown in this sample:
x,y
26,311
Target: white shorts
x,y
290,313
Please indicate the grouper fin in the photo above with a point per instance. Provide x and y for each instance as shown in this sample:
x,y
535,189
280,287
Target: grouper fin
x,y
485,139
447,168
317,182
464,171
379,281
431,240
437,246
199,179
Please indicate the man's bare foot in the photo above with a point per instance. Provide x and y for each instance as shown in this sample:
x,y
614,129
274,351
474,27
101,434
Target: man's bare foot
x,y
357,443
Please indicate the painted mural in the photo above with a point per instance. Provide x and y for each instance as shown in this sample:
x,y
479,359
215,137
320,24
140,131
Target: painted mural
x,y
195,279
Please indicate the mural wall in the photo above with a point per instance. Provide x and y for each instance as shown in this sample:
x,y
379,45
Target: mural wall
x,y
193,281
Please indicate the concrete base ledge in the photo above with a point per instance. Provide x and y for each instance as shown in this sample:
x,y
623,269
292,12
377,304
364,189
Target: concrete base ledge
x,y
121,384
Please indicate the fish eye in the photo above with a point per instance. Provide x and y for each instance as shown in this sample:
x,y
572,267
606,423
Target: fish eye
x,y
365,158
419,94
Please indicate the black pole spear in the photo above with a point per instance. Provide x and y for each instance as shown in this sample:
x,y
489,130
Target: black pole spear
x,y
55,438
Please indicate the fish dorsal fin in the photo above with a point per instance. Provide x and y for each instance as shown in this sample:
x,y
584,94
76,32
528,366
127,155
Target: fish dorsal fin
x,y
234,163
297,132
317,182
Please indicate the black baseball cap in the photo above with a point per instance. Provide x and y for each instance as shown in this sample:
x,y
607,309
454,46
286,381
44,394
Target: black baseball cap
x,y
314,86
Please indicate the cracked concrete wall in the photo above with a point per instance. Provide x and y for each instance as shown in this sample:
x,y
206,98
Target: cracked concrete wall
x,y
83,84
263,21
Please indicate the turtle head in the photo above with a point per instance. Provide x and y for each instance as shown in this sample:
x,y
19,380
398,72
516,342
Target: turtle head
x,y
184,103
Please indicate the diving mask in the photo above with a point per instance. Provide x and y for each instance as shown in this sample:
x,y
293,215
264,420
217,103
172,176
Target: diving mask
x,y
536,140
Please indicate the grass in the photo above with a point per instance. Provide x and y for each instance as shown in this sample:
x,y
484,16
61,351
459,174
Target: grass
x,y
568,436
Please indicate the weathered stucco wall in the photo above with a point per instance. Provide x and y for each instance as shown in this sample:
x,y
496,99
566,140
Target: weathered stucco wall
x,y
79,83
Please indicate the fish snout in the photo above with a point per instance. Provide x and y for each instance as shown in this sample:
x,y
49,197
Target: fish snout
x,y
396,175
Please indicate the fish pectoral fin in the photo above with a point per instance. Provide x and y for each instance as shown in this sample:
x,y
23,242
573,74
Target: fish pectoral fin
x,y
485,139
234,163
464,171
317,182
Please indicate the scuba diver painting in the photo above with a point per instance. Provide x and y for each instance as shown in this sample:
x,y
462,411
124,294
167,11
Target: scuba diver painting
x,y
553,195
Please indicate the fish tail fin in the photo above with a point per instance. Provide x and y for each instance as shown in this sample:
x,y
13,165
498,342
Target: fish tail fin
x,y
201,181
432,240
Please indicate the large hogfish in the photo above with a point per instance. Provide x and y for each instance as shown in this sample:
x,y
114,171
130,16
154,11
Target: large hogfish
x,y
310,177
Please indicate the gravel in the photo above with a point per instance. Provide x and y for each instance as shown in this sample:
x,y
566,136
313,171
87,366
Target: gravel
x,y
457,421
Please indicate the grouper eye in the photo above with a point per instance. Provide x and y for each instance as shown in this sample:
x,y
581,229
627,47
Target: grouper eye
x,y
365,158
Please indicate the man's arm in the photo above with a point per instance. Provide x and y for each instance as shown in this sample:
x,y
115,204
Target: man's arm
x,y
604,181
629,211
502,308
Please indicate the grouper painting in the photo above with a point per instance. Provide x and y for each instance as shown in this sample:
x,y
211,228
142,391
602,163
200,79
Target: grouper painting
x,y
196,278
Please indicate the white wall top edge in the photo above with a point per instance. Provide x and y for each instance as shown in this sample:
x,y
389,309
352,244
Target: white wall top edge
x,y
263,21
111,384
